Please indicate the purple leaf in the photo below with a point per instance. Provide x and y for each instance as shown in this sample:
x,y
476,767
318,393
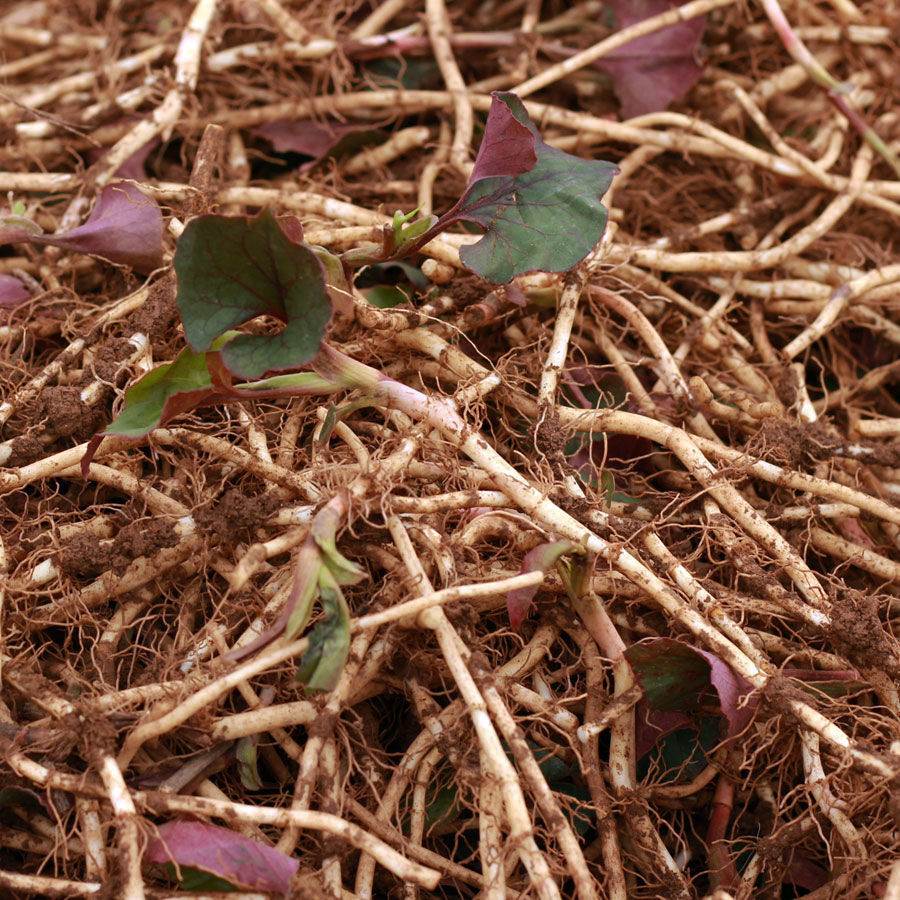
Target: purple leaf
x,y
314,139
12,292
518,602
125,226
679,680
804,873
652,725
651,72
223,853
134,167
735,698
508,145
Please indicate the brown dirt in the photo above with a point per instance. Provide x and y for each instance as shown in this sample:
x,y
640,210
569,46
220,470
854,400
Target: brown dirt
x,y
235,516
67,416
86,557
857,631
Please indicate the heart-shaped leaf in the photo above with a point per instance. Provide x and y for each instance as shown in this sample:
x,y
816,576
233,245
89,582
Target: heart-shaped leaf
x,y
223,853
539,207
652,71
233,269
125,226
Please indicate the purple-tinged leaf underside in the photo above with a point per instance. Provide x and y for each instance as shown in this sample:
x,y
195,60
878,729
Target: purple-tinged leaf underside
x,y
680,681
653,71
317,140
125,227
542,558
237,859
13,292
234,269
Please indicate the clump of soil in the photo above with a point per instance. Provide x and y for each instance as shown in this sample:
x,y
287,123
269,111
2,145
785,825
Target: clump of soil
x,y
86,557
159,313
235,516
67,416
792,445
858,634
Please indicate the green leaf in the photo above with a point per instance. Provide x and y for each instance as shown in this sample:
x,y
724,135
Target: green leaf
x,y
672,674
608,485
406,230
163,393
197,880
245,751
233,269
684,753
324,533
384,296
539,207
412,73
329,643
304,589
442,807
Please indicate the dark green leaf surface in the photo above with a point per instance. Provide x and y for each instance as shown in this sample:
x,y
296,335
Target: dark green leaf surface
x,y
233,269
329,643
540,207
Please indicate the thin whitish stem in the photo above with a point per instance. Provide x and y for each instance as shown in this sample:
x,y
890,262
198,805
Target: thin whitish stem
x,y
132,882
614,874
537,783
555,361
417,816
821,76
839,300
44,886
490,828
284,19
380,16
439,30
456,655
831,807
399,144
411,608
309,765
205,696
94,840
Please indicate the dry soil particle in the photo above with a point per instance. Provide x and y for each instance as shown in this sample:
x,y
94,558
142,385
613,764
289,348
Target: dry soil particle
x,y
159,313
857,633
792,446
25,449
86,557
67,416
235,517
107,358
